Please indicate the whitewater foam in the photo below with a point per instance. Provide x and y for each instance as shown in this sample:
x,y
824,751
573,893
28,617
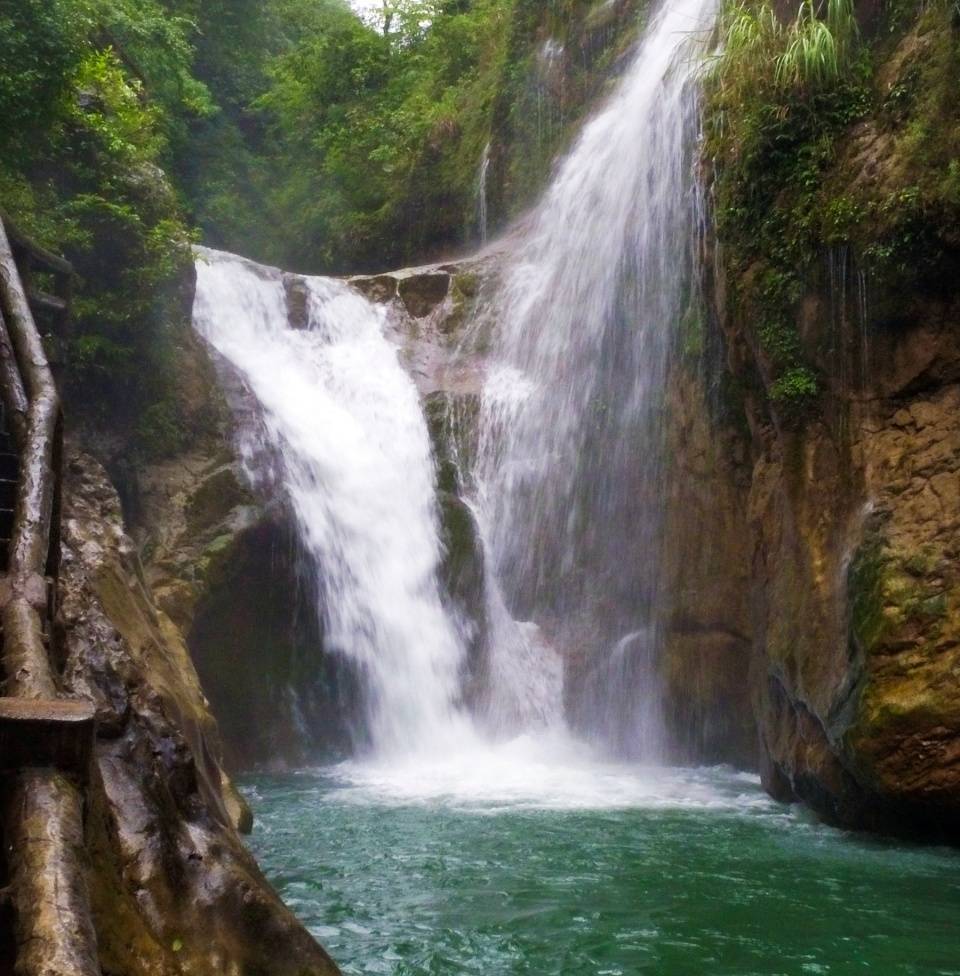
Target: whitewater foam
x,y
545,770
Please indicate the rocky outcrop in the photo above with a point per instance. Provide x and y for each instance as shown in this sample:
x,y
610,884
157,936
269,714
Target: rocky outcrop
x,y
436,313
173,890
813,568
835,293
856,523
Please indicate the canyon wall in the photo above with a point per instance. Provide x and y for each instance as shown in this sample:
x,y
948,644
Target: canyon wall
x,y
811,509
172,887
834,507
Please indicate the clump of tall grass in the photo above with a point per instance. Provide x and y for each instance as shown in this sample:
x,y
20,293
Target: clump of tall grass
x,y
759,52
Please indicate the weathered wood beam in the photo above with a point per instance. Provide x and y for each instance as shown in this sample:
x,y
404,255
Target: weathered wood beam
x,y
25,660
11,389
47,302
31,534
53,925
47,733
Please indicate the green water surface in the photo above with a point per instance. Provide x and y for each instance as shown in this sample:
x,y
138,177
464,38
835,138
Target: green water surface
x,y
744,886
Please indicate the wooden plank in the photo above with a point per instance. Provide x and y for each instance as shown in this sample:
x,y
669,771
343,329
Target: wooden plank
x,y
47,732
46,710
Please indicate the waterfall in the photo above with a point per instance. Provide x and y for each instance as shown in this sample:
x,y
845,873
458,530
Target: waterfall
x,y
482,207
342,424
570,465
568,475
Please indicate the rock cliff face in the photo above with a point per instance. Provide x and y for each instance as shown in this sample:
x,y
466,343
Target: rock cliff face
x,y
854,524
706,565
813,567
840,364
813,628
172,887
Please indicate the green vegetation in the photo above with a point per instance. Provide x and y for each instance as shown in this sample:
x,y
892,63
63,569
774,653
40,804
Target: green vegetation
x,y
827,139
779,97
375,137
865,586
292,131
888,588
297,133
81,151
762,53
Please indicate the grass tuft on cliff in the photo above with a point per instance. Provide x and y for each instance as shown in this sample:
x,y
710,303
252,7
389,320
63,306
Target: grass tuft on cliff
x,y
832,141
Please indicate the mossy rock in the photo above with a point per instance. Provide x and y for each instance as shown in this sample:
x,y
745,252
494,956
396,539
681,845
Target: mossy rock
x,y
213,566
218,494
422,293
378,288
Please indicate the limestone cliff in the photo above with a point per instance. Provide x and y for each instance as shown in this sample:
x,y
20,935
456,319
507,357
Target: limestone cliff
x,y
220,551
813,502
706,566
853,522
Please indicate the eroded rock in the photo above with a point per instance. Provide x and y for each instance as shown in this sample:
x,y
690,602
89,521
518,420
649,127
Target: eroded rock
x,y
854,528
173,890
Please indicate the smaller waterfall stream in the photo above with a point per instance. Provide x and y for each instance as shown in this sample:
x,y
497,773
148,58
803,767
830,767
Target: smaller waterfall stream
x,y
343,423
482,204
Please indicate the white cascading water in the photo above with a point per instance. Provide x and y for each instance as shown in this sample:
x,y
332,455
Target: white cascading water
x,y
482,205
344,424
570,459
566,480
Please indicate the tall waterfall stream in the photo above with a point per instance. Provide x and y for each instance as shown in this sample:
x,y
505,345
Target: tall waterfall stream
x,y
513,835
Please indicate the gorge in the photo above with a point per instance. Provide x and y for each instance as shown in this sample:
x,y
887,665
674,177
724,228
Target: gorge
x,y
583,596
572,438
542,471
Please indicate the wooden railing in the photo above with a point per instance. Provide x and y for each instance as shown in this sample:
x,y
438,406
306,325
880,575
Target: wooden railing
x,y
46,741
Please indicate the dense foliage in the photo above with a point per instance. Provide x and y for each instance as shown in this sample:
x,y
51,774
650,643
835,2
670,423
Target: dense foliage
x,y
91,92
375,131
295,131
129,122
376,135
